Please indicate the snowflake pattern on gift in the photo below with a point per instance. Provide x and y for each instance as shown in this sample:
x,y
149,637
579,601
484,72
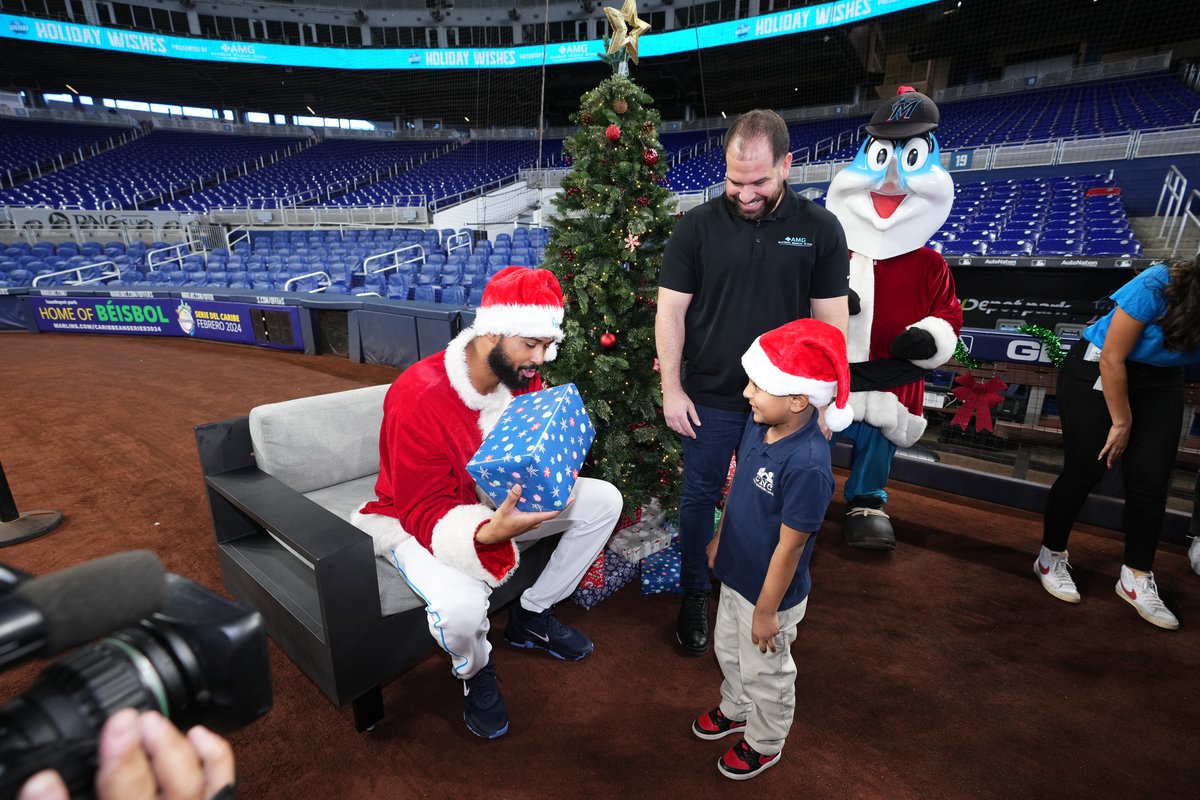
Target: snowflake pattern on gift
x,y
540,442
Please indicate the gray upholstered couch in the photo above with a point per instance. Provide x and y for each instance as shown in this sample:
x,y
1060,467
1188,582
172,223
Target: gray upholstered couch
x,y
282,484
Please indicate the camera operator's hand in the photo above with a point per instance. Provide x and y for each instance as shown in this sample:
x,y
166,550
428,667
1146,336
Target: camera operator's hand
x,y
145,756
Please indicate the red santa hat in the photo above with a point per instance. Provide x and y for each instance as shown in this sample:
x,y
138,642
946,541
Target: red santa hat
x,y
805,357
519,301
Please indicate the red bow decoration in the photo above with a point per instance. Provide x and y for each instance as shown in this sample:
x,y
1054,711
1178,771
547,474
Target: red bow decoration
x,y
976,399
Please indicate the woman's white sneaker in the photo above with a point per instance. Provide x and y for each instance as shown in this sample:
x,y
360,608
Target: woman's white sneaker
x,y
1052,570
1194,554
1141,592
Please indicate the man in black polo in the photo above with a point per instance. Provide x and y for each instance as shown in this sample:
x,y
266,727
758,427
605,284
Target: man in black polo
x,y
736,267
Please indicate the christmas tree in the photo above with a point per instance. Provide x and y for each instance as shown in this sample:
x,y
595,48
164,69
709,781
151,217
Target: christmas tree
x,y
611,222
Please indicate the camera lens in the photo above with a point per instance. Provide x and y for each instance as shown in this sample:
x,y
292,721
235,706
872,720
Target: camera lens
x,y
201,660
68,706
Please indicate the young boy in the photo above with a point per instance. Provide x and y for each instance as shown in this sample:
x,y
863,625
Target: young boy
x,y
781,490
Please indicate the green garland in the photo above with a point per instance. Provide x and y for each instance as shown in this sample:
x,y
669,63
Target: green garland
x,y
1049,340
963,357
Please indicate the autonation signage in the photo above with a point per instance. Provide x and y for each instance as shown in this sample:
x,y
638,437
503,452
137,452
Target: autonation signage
x,y
783,23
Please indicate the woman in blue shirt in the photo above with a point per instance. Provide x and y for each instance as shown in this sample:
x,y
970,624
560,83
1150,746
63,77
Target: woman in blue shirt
x,y
1120,395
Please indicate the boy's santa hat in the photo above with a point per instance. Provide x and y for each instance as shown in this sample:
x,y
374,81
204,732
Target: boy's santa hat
x,y
519,301
805,357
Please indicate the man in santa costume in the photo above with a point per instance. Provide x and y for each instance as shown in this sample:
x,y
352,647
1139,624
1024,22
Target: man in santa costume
x,y
450,545
890,200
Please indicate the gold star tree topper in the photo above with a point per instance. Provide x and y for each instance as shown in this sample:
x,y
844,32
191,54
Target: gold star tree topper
x,y
626,28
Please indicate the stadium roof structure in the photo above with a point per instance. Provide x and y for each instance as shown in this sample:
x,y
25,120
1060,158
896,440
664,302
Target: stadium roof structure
x,y
823,67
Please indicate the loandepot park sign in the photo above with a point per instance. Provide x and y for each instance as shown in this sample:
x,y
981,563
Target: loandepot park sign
x,y
782,23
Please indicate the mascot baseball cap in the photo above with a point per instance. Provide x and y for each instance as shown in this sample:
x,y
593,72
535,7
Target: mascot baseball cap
x,y
906,115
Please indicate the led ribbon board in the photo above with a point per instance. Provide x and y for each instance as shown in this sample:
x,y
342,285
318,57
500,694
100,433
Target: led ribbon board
x,y
767,26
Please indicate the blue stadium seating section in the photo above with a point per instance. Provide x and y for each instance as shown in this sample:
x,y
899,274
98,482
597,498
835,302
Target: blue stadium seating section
x,y
144,169
279,260
463,169
1082,110
31,142
309,174
1076,216
149,168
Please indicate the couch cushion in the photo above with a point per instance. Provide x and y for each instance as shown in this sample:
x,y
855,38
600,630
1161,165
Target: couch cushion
x,y
345,498
315,442
395,595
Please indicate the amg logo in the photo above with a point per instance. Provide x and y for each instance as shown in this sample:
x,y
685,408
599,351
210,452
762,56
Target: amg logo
x,y
795,241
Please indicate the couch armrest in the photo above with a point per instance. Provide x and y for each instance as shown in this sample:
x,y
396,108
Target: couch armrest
x,y
313,562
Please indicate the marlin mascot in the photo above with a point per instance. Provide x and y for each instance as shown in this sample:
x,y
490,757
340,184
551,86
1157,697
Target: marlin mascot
x,y
904,315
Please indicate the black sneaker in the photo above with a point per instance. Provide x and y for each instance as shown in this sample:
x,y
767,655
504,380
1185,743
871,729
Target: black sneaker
x,y
742,762
715,724
529,629
485,712
692,628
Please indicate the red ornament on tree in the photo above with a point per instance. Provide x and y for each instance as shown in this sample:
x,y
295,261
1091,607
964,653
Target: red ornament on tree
x,y
569,255
643,201
571,192
612,133
608,341
649,156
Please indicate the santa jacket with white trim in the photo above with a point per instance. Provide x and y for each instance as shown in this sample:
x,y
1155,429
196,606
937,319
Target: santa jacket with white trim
x,y
433,423
914,289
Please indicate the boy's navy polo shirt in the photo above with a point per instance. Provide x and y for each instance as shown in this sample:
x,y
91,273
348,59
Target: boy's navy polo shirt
x,y
747,278
789,482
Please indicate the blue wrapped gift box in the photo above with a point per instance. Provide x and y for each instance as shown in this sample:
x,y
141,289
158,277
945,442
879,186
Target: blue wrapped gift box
x,y
540,442
660,572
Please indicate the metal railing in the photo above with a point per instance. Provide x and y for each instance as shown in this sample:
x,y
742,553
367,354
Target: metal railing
x,y
458,241
81,281
324,216
236,234
1187,216
1174,190
290,282
182,250
396,261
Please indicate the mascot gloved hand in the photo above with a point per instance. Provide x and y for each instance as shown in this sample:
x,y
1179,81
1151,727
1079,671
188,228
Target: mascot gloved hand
x,y
890,200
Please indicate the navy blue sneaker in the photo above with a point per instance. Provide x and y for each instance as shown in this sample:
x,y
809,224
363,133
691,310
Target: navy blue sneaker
x,y
485,712
543,631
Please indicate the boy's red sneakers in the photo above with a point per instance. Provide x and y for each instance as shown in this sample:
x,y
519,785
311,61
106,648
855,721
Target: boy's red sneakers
x,y
742,762
714,725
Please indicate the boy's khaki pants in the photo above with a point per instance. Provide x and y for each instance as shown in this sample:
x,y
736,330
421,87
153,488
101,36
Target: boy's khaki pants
x,y
759,688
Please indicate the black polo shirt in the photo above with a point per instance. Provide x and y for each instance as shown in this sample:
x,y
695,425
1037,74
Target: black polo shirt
x,y
747,278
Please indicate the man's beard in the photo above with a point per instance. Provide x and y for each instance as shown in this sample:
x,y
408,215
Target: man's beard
x,y
504,369
769,205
